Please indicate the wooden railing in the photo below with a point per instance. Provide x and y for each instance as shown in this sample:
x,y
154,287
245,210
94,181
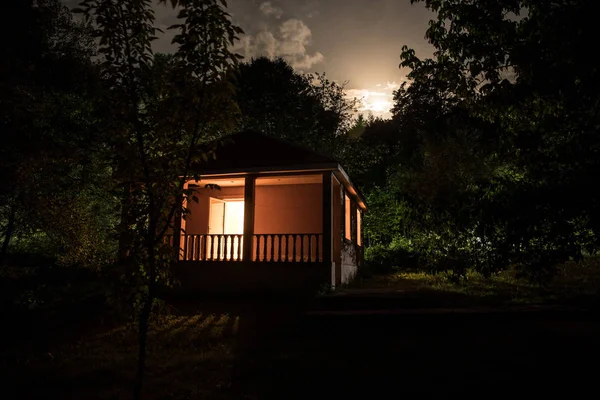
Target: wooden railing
x,y
205,247
293,247
275,247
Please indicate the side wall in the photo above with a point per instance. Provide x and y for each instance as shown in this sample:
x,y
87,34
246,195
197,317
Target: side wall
x,y
349,262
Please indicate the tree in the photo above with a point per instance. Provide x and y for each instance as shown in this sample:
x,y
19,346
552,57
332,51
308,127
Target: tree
x,y
49,144
278,101
513,99
157,112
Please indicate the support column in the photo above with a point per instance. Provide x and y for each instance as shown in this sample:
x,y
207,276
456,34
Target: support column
x,y
327,216
249,194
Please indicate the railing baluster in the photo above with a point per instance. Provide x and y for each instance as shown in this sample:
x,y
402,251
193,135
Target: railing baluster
x,y
284,249
221,248
309,258
265,238
192,247
301,248
199,247
294,251
225,251
203,249
272,248
240,244
185,245
229,247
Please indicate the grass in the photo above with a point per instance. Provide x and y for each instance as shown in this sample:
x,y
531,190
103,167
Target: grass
x,y
243,350
573,283
189,356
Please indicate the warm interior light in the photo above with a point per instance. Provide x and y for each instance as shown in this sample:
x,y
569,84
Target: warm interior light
x,y
226,217
348,230
234,217
358,228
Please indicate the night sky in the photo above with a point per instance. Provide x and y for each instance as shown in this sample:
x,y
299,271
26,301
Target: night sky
x,y
358,41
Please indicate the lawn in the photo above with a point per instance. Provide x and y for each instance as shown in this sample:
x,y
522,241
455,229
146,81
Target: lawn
x,y
273,348
189,356
573,284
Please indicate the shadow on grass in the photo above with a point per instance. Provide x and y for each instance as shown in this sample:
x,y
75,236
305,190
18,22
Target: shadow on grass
x,y
269,348
189,356
202,349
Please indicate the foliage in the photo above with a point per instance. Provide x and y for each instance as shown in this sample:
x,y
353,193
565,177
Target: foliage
x,y
574,283
308,109
496,149
158,111
51,151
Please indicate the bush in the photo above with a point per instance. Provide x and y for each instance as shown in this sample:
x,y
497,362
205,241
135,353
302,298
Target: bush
x,y
398,255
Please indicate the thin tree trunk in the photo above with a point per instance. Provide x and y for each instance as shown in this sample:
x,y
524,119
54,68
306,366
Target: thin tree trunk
x,y
147,309
124,230
143,339
8,234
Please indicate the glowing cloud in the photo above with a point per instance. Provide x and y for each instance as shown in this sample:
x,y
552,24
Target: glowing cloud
x,y
290,42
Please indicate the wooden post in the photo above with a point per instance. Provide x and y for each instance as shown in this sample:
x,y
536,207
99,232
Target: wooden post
x,y
249,192
327,214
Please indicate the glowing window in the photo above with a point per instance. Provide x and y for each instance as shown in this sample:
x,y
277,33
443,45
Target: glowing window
x,y
358,227
348,231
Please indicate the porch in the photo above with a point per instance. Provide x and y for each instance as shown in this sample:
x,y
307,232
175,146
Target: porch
x,y
268,230
268,217
257,218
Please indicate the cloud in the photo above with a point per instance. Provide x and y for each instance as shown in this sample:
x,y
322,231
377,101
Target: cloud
x,y
270,10
290,40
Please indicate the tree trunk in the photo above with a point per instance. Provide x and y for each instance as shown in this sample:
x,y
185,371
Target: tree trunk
x,y
125,236
8,234
146,310
142,341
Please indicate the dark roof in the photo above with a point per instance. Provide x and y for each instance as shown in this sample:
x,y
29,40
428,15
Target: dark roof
x,y
250,150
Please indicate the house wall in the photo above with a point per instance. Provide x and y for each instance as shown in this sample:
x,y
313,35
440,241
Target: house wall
x,y
349,262
288,209
350,253
278,208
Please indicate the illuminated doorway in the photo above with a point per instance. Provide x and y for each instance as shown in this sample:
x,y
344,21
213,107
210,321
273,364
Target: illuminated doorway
x,y
226,217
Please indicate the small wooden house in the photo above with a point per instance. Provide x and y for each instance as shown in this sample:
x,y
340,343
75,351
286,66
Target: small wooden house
x,y
269,216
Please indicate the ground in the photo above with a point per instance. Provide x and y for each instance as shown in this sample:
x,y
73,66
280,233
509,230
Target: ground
x,y
384,337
